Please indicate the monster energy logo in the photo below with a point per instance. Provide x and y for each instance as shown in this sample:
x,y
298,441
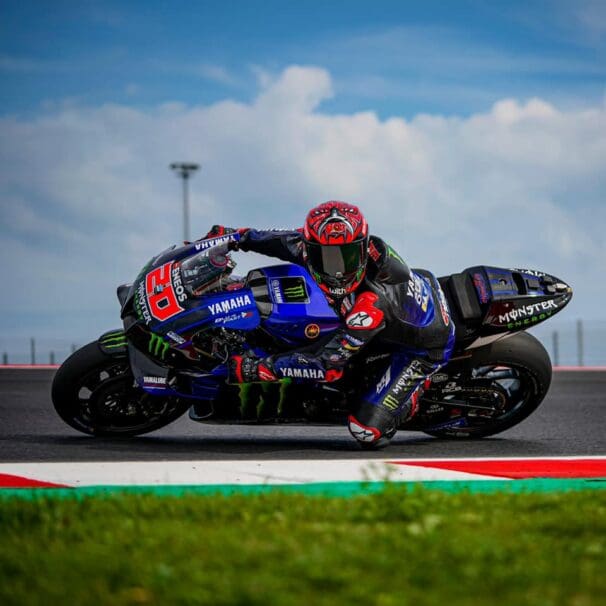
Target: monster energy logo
x,y
392,253
294,290
157,346
250,396
390,402
113,340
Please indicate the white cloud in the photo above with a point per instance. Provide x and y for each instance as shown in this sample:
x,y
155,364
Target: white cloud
x,y
86,195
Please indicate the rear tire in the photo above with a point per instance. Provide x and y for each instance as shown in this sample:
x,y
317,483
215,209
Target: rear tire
x,y
529,364
96,393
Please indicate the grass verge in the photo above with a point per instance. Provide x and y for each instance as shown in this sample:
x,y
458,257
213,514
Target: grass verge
x,y
395,547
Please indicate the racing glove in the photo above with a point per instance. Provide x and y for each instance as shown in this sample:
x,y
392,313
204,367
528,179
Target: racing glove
x,y
250,369
220,230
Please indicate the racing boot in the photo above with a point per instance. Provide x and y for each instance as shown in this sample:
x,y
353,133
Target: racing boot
x,y
373,426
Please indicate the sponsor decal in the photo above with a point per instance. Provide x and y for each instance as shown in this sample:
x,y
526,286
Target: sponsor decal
x,y
233,317
178,284
141,304
206,244
337,291
312,331
277,293
154,381
377,357
289,290
346,305
228,305
302,373
424,303
359,321
531,272
390,402
157,346
353,341
294,290
362,433
346,346
173,336
392,253
415,291
529,321
443,306
439,378
531,311
384,382
408,379
480,284
162,296
115,340
374,254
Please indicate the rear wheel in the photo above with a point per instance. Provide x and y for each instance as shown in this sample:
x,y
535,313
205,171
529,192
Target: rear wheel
x,y
97,394
497,388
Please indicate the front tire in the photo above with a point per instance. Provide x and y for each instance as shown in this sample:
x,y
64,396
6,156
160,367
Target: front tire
x,y
518,370
96,393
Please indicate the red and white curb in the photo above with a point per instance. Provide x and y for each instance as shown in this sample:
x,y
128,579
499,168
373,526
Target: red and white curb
x,y
295,472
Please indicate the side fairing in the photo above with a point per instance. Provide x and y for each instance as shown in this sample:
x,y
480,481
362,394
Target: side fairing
x,y
296,310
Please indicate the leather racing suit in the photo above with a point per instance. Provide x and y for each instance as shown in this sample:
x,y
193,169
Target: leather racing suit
x,y
400,310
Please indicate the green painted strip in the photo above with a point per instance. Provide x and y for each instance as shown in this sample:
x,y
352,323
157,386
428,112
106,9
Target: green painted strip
x,y
328,489
116,346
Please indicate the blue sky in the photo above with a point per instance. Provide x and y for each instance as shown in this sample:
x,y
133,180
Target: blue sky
x,y
394,57
470,132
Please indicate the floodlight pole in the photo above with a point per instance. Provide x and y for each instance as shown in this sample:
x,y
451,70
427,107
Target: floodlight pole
x,y
184,170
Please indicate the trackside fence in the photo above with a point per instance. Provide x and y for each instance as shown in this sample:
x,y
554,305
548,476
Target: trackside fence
x,y
571,343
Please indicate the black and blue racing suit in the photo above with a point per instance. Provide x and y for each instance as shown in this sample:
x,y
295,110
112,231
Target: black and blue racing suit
x,y
400,310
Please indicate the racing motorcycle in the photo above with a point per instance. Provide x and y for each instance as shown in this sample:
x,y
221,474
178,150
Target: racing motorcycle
x,y
185,314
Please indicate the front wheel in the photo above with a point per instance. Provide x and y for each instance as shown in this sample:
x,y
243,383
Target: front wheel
x,y
96,394
496,388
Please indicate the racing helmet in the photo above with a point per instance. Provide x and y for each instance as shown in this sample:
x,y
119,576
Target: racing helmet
x,y
335,241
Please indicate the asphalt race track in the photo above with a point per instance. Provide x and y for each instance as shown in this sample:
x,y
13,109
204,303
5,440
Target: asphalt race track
x,y
571,421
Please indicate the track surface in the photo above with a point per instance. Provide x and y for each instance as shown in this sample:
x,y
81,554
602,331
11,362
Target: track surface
x,y
571,421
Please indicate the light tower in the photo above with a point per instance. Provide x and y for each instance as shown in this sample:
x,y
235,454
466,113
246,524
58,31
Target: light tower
x,y
184,170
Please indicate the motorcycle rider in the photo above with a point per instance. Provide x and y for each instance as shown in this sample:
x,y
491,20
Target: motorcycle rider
x,y
377,297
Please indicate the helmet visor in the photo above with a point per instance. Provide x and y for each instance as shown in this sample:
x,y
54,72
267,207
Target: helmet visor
x,y
337,261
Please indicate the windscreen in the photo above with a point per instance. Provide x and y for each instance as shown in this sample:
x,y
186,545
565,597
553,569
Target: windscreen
x,y
345,259
203,272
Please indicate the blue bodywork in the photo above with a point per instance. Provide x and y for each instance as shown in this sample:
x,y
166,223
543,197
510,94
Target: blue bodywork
x,y
281,300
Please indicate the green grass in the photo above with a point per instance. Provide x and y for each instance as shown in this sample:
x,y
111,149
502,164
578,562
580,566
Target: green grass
x,y
397,547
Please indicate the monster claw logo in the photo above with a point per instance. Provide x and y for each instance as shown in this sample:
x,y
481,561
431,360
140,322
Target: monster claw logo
x,y
291,290
113,340
157,346
295,292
